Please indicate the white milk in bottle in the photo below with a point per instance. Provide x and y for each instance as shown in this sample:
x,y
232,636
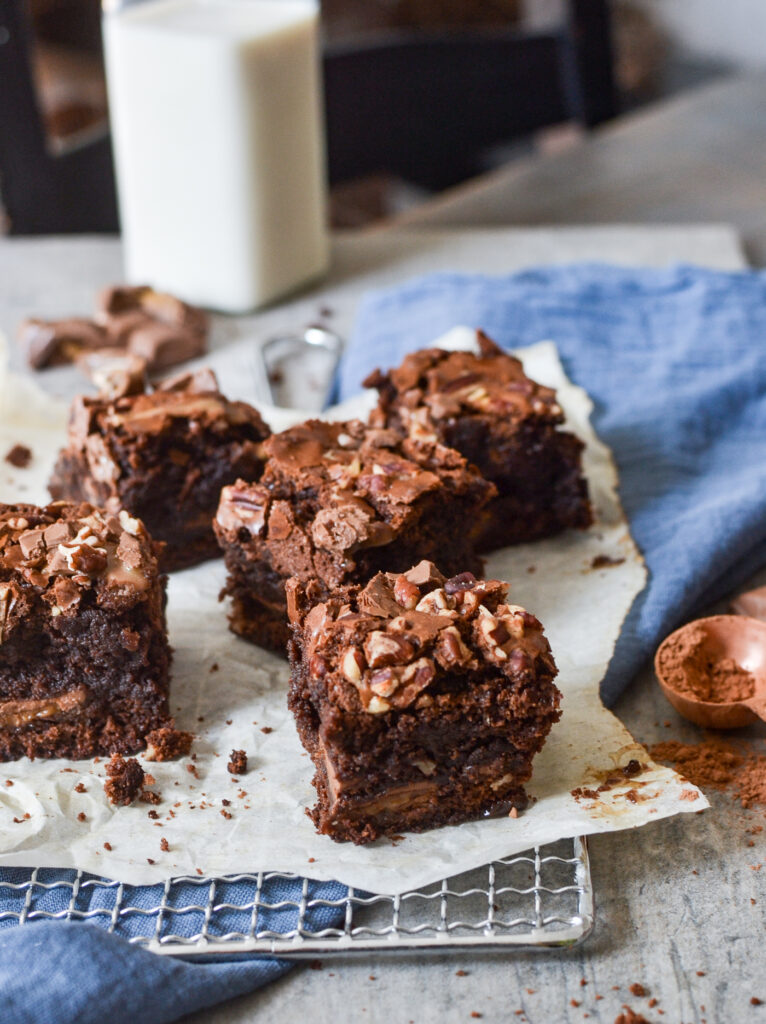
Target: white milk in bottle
x,y
216,118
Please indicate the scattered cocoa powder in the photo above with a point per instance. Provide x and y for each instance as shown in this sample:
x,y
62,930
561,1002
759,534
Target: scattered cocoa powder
x,y
716,764
690,668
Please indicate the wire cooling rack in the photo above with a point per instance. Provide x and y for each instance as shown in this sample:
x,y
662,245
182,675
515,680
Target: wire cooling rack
x,y
540,899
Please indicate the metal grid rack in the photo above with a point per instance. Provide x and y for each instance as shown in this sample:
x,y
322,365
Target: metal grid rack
x,y
540,899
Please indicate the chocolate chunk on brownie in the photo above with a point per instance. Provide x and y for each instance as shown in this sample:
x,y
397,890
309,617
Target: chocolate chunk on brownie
x,y
84,655
488,409
125,780
337,503
164,456
421,701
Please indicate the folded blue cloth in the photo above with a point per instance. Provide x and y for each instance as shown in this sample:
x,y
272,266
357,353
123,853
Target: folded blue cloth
x,y
79,973
674,361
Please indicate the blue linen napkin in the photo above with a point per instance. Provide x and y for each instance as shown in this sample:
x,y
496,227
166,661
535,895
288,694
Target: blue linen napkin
x,y
675,361
79,973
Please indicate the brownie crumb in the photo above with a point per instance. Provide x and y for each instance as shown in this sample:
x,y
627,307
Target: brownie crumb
x,y
214,667
225,802
237,762
149,797
9,782
629,1017
125,779
81,816
638,990
475,1013
153,815
167,744
605,562
150,861
192,770
164,845
108,846
267,729
19,456
312,860
461,974
755,1001
80,788
226,814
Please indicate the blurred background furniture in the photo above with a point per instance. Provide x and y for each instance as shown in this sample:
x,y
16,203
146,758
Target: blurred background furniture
x,y
420,90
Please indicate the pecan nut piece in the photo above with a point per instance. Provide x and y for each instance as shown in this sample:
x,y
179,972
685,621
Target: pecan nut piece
x,y
383,649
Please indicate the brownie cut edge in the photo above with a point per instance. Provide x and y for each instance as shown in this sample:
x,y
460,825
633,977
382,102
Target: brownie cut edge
x,y
84,653
422,701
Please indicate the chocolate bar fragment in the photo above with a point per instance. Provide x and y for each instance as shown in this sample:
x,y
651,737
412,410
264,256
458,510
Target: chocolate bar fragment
x,y
154,327
339,502
164,456
504,423
84,655
421,700
57,342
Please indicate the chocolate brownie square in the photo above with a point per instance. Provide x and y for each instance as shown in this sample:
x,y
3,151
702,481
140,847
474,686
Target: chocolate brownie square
x,y
421,700
163,456
84,655
339,502
488,409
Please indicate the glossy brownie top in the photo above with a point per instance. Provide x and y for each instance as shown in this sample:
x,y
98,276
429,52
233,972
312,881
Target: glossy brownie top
x,y
365,483
409,639
434,385
130,409
64,551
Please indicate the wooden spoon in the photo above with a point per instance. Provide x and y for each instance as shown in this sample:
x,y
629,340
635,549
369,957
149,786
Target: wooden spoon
x,y
739,637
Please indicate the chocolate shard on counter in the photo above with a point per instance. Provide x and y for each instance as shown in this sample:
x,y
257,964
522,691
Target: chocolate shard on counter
x,y
486,407
84,654
337,503
421,700
164,456
57,342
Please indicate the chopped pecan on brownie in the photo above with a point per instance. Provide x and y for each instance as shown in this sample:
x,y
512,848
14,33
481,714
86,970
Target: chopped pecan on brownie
x,y
337,503
422,700
84,655
237,762
168,743
125,780
164,455
483,404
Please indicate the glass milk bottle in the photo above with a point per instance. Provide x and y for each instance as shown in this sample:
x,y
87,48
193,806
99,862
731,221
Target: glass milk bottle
x,y
216,118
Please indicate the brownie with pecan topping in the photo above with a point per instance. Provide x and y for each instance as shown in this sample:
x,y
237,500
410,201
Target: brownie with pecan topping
x,y
339,502
486,407
421,700
84,654
162,455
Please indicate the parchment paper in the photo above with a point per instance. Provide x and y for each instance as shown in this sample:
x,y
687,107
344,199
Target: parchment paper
x,y
232,695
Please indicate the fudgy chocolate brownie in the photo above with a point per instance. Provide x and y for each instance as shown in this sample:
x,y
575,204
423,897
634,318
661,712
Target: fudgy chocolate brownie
x,y
84,655
422,701
339,502
492,413
164,456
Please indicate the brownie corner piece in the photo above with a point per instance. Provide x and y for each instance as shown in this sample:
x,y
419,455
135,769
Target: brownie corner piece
x,y
485,406
421,701
84,653
337,503
163,455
